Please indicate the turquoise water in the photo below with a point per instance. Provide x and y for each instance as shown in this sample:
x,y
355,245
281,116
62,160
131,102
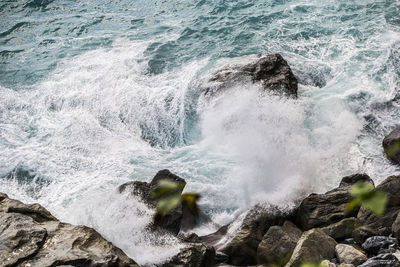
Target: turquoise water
x,y
94,94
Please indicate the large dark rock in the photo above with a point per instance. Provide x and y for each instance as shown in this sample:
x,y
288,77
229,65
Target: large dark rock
x,y
278,244
193,255
272,71
376,244
241,245
179,218
343,229
313,246
319,210
391,145
31,236
382,260
396,227
373,225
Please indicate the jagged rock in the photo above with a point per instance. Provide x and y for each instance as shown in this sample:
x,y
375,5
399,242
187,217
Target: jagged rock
x,y
272,71
374,245
382,260
391,143
342,229
313,246
318,210
396,227
380,225
176,220
31,236
241,245
194,255
391,186
278,243
348,254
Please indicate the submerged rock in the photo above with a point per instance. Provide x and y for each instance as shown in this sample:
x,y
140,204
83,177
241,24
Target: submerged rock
x,y
31,236
391,145
272,71
318,210
176,220
313,246
278,244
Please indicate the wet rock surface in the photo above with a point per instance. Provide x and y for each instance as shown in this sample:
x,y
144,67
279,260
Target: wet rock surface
x,y
31,236
194,255
176,220
319,210
278,243
272,71
376,244
313,246
390,145
383,260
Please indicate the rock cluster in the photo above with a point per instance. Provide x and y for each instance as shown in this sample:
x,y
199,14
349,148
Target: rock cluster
x,y
31,236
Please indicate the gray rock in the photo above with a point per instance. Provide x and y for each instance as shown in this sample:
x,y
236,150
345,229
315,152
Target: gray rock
x,y
241,246
313,246
278,243
176,220
194,255
343,229
31,236
348,254
382,260
272,71
380,225
396,227
390,144
374,245
327,263
319,210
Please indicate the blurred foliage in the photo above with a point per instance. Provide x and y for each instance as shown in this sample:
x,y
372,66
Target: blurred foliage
x,y
169,195
365,195
393,150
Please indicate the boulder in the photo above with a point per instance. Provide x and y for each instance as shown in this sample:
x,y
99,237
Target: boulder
x,y
391,145
376,244
241,244
318,210
272,71
380,225
31,236
396,227
176,220
349,254
327,263
278,244
343,229
382,260
194,255
313,246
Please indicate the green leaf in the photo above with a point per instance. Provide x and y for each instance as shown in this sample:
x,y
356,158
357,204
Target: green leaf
x,y
353,204
376,202
361,189
168,203
191,200
165,187
393,149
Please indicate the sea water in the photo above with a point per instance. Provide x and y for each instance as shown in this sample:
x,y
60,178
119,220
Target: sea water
x,y
94,94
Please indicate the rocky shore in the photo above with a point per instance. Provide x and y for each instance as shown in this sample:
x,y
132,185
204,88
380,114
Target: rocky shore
x,y
318,230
